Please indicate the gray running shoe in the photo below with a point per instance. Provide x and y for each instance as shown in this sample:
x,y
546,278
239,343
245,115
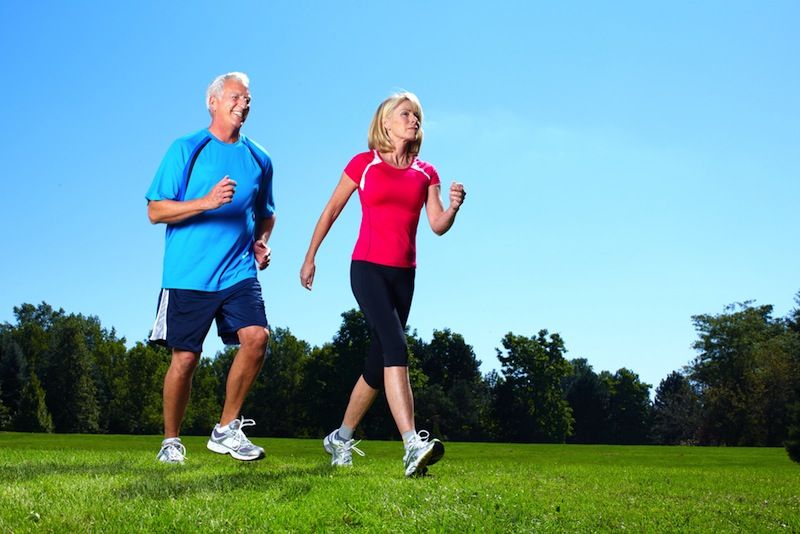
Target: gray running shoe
x,y
420,453
172,451
341,451
231,440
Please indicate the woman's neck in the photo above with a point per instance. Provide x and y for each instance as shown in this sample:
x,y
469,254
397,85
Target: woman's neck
x,y
400,157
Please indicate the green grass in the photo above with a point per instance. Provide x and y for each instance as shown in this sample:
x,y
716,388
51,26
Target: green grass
x,y
62,483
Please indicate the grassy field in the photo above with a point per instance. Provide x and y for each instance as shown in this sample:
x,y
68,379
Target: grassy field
x,y
81,483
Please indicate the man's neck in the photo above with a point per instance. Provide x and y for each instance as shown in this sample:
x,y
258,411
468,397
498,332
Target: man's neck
x,y
224,134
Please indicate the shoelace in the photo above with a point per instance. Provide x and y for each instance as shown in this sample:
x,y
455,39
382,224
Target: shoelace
x,y
175,450
349,445
241,439
420,440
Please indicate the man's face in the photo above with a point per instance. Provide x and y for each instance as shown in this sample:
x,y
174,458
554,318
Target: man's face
x,y
233,106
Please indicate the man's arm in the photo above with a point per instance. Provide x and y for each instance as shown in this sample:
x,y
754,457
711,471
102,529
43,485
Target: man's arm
x,y
260,248
176,211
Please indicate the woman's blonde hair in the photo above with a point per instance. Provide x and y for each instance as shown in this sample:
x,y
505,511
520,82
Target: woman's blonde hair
x,y
378,138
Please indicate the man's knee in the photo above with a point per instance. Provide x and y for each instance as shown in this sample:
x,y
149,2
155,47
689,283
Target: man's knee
x,y
254,337
183,362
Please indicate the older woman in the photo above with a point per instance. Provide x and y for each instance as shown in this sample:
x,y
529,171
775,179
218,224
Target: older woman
x,y
393,185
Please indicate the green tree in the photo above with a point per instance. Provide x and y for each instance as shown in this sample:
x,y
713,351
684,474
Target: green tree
x,y
675,411
278,391
136,403
528,401
32,333
13,370
204,407
108,354
5,415
589,398
33,415
629,408
70,387
331,373
747,372
454,400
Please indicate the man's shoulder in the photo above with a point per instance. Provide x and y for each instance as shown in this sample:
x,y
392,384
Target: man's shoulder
x,y
193,139
258,150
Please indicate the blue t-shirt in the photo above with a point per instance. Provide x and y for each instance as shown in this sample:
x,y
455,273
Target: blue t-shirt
x,y
213,250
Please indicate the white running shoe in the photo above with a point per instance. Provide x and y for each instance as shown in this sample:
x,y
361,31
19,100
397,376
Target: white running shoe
x,y
231,440
172,451
420,453
341,451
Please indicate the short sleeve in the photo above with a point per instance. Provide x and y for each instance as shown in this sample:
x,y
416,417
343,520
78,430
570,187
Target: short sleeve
x,y
357,165
265,206
167,181
434,176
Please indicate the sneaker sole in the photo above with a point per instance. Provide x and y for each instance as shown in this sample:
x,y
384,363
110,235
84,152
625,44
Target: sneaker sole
x,y
422,464
221,449
438,452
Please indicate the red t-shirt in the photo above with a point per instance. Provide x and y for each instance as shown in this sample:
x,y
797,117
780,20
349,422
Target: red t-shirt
x,y
391,201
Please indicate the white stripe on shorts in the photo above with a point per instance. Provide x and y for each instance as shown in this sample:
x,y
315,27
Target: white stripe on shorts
x,y
159,332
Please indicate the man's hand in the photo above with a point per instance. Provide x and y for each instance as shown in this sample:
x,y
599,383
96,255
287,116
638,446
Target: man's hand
x,y
262,254
220,194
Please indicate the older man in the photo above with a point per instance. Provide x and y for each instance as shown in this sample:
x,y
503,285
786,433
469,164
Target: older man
x,y
213,191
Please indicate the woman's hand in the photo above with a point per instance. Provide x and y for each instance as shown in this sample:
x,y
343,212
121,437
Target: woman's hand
x,y
457,195
307,274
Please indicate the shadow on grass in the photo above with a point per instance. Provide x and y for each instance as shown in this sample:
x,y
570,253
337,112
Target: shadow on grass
x,y
290,482
157,481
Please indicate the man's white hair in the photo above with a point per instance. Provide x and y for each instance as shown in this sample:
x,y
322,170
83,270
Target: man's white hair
x,y
215,89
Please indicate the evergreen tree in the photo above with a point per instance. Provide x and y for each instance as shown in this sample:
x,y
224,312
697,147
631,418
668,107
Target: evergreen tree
x,y
277,391
589,398
675,411
204,408
629,408
70,387
33,415
13,371
5,415
136,400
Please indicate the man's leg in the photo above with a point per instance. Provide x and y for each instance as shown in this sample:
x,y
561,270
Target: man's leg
x,y
244,370
177,387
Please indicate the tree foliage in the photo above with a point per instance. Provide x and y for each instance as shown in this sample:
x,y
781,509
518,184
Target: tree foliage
x,y
529,404
67,373
747,373
675,411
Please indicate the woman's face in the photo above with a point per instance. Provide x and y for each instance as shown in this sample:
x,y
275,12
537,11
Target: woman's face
x,y
402,123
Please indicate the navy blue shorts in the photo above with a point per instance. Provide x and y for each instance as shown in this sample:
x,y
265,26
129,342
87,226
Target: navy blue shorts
x,y
184,315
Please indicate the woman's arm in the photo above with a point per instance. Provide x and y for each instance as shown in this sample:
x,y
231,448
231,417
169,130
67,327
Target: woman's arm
x,y
439,218
336,204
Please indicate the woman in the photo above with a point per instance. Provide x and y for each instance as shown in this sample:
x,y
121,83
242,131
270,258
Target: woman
x,y
393,185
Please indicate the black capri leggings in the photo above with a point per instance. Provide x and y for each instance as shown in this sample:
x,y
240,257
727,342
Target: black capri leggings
x,y
384,295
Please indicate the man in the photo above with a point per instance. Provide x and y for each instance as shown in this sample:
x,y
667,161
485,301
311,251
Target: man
x,y
213,190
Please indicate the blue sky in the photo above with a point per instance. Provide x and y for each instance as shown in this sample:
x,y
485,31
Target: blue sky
x,y
628,164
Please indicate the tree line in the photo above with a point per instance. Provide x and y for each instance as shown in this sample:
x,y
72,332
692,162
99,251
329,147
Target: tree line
x,y
64,372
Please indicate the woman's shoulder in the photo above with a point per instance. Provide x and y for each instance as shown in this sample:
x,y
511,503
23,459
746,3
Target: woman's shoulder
x,y
427,169
361,160
364,157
